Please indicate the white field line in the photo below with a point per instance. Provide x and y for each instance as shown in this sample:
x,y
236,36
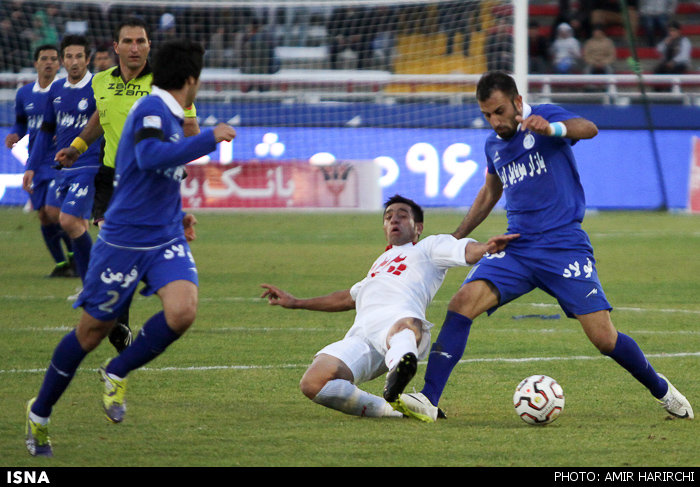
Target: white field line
x,y
243,299
302,329
268,329
298,366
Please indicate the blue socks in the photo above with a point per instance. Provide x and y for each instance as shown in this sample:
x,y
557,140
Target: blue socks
x,y
52,234
81,253
628,354
445,353
65,361
152,340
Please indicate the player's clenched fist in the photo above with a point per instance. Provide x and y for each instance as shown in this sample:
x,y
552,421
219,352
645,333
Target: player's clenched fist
x,y
224,132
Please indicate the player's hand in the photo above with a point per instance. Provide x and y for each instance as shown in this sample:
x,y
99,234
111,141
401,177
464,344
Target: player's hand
x,y
277,297
188,222
11,140
533,123
67,156
27,181
476,250
224,132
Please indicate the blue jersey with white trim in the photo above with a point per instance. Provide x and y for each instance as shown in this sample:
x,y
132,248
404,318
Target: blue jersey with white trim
x,y
540,179
30,105
69,108
146,207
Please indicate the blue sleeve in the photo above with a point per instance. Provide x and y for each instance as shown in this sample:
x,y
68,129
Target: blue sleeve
x,y
154,148
42,142
154,153
20,126
43,138
555,113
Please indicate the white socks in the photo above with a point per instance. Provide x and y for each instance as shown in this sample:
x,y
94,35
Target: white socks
x,y
344,396
400,344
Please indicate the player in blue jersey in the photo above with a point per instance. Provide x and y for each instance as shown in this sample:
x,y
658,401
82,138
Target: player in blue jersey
x,y
142,239
70,105
530,159
116,90
30,104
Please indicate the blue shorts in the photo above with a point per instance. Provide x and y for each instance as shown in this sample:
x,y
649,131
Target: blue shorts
x,y
561,264
114,272
53,195
40,193
75,192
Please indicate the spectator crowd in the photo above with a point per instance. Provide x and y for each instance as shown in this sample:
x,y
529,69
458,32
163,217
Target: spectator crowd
x,y
246,37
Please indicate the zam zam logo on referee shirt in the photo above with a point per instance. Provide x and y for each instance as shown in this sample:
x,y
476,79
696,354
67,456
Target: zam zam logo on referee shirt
x,y
129,89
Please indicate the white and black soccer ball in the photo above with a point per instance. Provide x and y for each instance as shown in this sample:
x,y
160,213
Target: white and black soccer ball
x,y
538,399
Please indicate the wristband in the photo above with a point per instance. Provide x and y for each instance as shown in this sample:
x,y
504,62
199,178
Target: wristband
x,y
557,129
79,145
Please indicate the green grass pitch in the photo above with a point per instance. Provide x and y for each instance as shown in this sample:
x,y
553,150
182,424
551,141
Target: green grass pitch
x,y
227,394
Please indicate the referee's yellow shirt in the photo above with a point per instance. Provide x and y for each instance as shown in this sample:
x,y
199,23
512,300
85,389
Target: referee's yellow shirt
x,y
115,98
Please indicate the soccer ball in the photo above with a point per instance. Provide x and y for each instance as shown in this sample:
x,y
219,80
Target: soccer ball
x,y
538,399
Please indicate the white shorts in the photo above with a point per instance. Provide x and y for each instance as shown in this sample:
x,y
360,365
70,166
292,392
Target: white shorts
x,y
365,358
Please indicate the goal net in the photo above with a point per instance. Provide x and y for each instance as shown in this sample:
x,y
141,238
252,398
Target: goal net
x,y
336,103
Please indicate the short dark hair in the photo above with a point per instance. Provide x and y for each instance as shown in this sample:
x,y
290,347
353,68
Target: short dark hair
x,y
44,47
75,40
415,207
496,81
175,61
131,22
103,48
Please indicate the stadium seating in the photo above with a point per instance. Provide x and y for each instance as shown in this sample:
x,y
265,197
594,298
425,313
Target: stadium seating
x,y
687,13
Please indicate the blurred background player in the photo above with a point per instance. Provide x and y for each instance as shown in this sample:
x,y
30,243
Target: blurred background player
x,y
102,60
142,238
545,204
30,104
116,90
70,104
390,331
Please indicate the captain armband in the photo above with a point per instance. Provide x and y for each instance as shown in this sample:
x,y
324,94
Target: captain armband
x,y
79,144
557,129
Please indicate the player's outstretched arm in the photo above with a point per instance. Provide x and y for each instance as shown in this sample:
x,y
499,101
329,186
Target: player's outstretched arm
x,y
224,132
154,153
476,250
485,200
574,128
336,301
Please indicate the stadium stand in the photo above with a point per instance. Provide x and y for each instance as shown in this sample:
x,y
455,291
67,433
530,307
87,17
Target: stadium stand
x,y
547,13
411,43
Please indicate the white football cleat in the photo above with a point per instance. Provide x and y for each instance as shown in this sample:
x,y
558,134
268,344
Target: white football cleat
x,y
675,403
416,405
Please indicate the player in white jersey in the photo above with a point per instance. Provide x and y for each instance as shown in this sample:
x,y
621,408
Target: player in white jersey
x,y
390,331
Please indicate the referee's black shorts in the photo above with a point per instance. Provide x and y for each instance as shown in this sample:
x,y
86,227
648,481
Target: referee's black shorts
x,y
104,187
